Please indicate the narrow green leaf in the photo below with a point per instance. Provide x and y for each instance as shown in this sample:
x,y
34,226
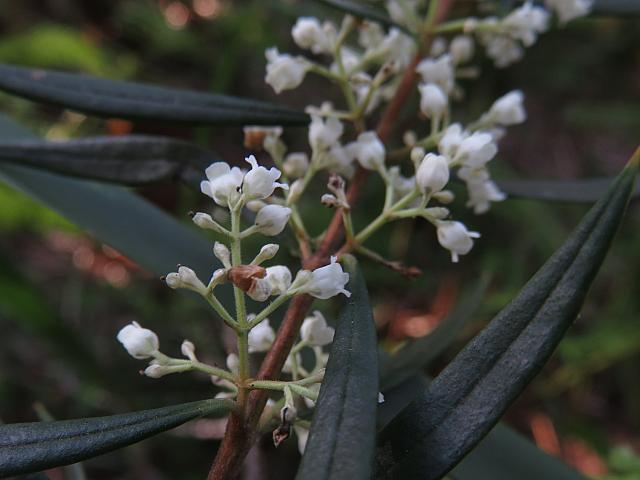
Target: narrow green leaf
x,y
342,439
467,399
362,10
506,454
129,160
416,355
583,191
139,101
616,7
30,447
396,398
113,214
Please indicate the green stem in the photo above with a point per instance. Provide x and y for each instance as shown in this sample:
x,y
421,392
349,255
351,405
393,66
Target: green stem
x,y
219,308
241,309
385,216
268,310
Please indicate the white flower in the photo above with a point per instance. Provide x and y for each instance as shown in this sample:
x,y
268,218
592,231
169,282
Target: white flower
x,y
461,49
324,133
501,49
438,47
369,150
439,71
370,34
482,191
155,370
233,363
259,183
188,349
455,237
261,337
525,23
569,9
397,47
462,148
185,278
433,173
380,397
284,72
433,101
139,342
403,11
272,219
327,281
223,184
296,164
338,159
315,330
279,277
259,290
507,110
222,253
310,35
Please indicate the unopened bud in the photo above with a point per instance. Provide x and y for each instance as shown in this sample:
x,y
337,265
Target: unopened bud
x,y
296,164
156,371
218,277
409,138
295,190
188,349
204,220
255,205
222,253
417,154
185,278
267,252
444,196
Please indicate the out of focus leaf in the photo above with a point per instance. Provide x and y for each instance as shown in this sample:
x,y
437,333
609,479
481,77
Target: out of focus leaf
x,y
417,354
467,399
130,160
113,214
30,447
342,438
114,98
616,7
504,453
587,190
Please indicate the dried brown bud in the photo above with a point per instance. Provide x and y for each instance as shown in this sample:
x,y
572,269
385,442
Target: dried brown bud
x,y
254,138
244,276
281,433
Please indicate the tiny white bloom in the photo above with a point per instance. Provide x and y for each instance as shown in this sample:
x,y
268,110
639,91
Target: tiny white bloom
x,y
433,173
462,148
185,278
233,363
526,22
315,330
340,160
260,183
461,49
502,49
397,47
260,290
296,164
439,71
508,109
569,9
327,281
222,253
223,183
261,337
310,35
482,191
284,72
455,237
368,150
139,342
272,219
380,397
433,101
370,34
279,277
323,134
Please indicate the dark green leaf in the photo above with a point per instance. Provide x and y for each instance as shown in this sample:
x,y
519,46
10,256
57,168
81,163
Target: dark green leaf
x,y
362,10
396,398
467,399
342,439
587,190
139,101
113,214
504,453
130,160
417,354
616,7
30,447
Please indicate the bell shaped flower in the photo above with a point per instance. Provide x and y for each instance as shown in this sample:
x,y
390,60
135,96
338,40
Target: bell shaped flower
x,y
223,183
439,71
433,173
261,337
433,101
368,150
455,237
569,9
310,35
324,133
525,23
272,219
260,183
315,330
461,49
279,277
507,110
284,72
139,342
324,282
467,149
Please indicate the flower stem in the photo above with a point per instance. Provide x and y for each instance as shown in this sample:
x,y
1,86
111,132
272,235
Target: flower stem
x,y
241,309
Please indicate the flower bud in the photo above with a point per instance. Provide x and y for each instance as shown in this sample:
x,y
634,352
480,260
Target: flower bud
x,y
267,252
326,282
369,150
329,200
296,164
222,253
261,337
185,278
444,196
417,155
461,49
204,220
433,173
284,72
315,330
455,237
295,191
233,363
323,134
188,349
279,277
139,342
508,109
260,290
156,371
433,101
255,205
219,276
272,219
